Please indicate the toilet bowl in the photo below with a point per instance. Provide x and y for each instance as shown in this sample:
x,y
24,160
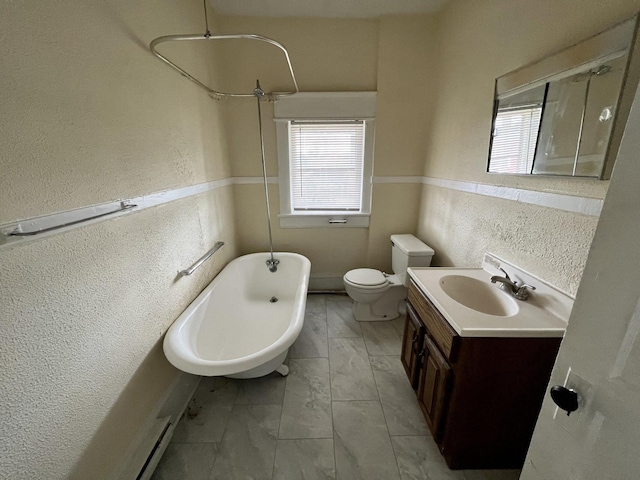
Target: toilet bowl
x,y
378,296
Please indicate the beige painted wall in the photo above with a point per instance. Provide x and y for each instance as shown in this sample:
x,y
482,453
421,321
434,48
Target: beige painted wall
x,y
392,55
90,116
406,53
480,41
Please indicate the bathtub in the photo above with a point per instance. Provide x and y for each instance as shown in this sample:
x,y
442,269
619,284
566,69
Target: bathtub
x,y
244,321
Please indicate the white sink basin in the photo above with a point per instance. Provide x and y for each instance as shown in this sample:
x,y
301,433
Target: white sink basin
x,y
474,307
478,295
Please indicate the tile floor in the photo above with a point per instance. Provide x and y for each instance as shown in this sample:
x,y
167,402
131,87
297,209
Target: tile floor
x,y
346,411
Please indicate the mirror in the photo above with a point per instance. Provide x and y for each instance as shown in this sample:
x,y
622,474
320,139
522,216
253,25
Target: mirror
x,y
565,115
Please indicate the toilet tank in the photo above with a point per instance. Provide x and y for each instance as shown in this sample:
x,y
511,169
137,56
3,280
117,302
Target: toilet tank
x,y
408,251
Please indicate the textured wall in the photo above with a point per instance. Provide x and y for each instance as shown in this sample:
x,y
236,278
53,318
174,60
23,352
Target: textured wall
x,y
551,243
337,55
90,116
479,42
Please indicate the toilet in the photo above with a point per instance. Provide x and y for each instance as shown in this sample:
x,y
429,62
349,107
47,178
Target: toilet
x,y
379,296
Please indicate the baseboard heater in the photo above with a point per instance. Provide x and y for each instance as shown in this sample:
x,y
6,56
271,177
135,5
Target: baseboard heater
x,y
149,452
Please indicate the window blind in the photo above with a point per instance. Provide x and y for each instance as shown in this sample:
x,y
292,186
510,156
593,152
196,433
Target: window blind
x,y
514,139
326,162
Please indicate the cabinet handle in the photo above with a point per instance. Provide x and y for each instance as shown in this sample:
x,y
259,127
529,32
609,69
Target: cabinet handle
x,y
414,342
421,356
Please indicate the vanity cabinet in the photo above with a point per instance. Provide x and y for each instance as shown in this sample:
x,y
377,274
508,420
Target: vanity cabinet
x,y
412,342
433,386
480,395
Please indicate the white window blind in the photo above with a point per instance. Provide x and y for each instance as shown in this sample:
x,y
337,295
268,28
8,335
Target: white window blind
x,y
514,139
326,165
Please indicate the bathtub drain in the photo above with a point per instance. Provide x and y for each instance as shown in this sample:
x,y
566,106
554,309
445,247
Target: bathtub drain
x,y
273,299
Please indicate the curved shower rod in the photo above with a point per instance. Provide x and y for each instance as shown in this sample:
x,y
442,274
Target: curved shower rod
x,y
208,36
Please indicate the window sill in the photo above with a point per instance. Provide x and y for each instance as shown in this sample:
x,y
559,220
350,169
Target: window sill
x,y
324,220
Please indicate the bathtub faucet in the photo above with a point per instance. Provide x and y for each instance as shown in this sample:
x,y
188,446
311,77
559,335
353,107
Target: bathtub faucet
x,y
272,264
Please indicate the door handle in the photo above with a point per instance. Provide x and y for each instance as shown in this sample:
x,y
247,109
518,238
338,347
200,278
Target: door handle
x,y
565,398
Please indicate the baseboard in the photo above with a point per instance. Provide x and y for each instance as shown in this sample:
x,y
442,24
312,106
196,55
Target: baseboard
x,y
145,451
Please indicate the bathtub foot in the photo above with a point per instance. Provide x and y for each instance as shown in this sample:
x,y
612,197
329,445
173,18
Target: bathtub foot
x,y
283,370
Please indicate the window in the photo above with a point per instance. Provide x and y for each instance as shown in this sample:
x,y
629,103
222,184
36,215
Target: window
x,y
515,135
325,159
325,166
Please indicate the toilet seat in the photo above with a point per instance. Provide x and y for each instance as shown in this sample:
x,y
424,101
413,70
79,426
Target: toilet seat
x,y
366,278
379,297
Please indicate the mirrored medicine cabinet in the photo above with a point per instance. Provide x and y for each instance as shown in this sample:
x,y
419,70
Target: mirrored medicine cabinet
x,y
565,115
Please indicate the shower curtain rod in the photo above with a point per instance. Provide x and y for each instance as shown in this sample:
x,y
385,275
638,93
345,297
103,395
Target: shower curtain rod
x,y
208,36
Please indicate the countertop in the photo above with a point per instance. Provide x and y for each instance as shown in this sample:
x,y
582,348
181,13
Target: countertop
x,y
534,318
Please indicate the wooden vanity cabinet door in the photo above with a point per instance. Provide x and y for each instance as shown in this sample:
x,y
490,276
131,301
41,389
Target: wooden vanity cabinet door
x,y
412,345
440,332
433,386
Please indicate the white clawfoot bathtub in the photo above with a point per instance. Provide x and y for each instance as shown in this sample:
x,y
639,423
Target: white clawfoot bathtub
x,y
244,321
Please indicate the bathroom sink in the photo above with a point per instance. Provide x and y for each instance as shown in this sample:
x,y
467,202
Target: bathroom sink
x,y
475,307
478,295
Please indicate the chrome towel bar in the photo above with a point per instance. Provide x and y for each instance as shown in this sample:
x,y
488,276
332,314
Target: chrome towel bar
x,y
123,206
201,260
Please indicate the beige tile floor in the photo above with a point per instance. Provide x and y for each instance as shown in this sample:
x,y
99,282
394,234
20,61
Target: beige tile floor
x,y
346,412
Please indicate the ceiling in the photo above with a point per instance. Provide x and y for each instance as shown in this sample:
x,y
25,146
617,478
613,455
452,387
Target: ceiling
x,y
325,8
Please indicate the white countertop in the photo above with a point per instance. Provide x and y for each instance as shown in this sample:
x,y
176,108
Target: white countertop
x,y
534,318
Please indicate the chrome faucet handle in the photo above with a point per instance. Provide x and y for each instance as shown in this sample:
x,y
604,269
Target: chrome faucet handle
x,y
522,293
506,275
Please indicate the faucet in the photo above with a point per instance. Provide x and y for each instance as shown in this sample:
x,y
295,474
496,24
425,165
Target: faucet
x,y
272,264
520,292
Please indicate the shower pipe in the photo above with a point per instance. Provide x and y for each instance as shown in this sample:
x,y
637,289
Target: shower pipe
x,y
258,93
272,263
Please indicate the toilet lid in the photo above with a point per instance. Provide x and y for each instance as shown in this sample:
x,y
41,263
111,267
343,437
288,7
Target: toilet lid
x,y
366,276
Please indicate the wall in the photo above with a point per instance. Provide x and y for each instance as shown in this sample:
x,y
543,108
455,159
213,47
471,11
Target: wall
x,y
90,116
480,41
391,55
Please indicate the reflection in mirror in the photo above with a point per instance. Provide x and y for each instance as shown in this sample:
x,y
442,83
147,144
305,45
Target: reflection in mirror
x,y
565,115
515,131
577,123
